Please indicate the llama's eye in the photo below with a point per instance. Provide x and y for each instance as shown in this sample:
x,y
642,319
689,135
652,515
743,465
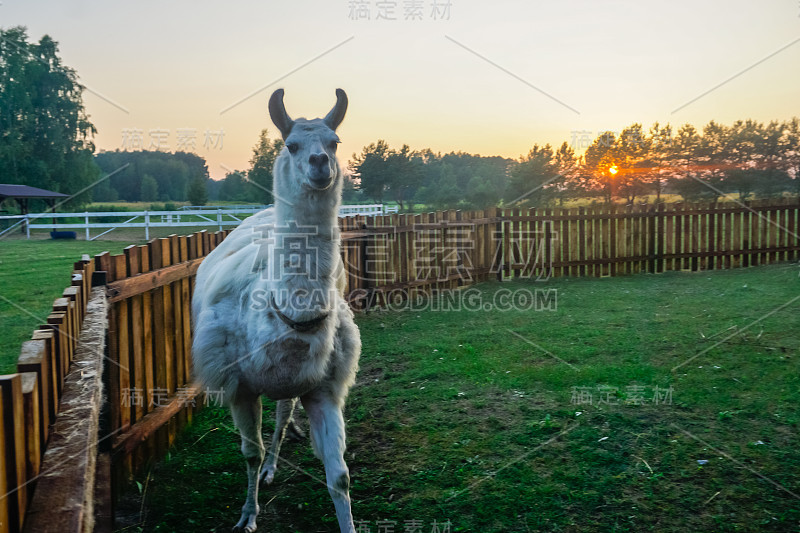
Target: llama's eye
x,y
292,147
333,145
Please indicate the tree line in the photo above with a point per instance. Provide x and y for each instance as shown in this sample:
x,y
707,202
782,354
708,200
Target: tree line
x,y
150,176
748,159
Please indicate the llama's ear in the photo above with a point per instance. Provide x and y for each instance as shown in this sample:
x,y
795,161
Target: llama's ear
x,y
336,116
277,111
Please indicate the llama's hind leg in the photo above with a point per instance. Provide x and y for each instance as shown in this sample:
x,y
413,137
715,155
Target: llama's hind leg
x,y
283,418
246,413
294,431
328,439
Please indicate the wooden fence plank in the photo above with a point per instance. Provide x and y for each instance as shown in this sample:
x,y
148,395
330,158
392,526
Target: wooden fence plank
x,y
6,508
159,361
633,238
661,233
169,328
33,359
15,469
605,245
123,346
177,309
766,232
49,360
781,233
147,331
31,414
793,233
719,238
755,237
54,323
137,361
186,314
581,241
669,240
185,328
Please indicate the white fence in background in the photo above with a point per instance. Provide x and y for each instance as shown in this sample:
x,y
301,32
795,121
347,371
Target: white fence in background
x,y
219,218
239,208
366,210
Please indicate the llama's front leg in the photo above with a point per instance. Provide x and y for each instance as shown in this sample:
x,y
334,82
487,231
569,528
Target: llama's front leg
x,y
283,415
328,439
247,417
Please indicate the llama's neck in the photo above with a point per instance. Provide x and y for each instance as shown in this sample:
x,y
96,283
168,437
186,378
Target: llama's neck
x,y
316,232
312,208
310,220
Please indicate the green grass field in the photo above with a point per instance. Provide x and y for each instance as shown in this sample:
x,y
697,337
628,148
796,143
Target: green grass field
x,y
33,274
541,420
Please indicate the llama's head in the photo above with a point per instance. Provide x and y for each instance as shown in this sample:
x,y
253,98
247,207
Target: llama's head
x,y
309,154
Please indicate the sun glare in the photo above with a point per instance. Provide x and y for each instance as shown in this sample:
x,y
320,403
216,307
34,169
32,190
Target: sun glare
x,y
612,170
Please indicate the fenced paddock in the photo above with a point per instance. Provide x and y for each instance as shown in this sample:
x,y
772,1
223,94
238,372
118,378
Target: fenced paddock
x,y
149,395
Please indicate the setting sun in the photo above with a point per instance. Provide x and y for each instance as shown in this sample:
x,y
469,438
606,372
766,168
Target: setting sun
x,y
612,170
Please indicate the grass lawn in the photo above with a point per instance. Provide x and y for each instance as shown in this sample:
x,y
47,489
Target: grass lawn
x,y
33,274
541,420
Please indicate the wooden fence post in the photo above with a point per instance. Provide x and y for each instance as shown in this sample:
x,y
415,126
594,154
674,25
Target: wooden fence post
x,y
13,430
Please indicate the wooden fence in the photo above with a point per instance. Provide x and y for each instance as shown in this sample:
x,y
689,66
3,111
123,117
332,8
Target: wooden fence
x,y
395,256
150,389
29,399
150,395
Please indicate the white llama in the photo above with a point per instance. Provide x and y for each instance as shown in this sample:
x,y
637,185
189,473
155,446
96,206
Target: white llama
x,y
269,314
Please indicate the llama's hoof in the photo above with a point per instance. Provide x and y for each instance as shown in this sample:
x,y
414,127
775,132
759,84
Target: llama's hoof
x,y
268,473
246,524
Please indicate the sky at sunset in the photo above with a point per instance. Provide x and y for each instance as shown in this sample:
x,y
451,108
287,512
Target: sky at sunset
x,y
483,77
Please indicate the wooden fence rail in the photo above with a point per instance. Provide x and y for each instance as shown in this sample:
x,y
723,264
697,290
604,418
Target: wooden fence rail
x,y
149,391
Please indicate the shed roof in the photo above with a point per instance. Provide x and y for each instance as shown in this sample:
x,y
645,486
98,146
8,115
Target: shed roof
x,y
26,191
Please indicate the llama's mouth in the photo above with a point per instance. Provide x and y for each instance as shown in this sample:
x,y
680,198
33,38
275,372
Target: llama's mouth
x,y
320,184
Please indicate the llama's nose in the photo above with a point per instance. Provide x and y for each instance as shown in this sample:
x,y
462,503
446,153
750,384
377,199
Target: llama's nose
x,y
320,171
318,160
